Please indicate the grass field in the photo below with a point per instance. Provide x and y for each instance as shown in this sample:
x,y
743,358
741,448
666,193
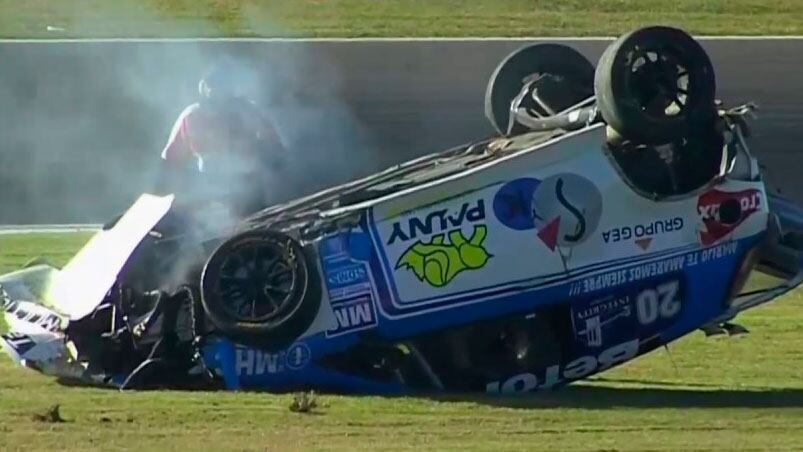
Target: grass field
x,y
740,393
381,18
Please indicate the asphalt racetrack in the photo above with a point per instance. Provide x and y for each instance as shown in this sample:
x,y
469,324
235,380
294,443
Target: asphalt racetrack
x,y
428,95
85,121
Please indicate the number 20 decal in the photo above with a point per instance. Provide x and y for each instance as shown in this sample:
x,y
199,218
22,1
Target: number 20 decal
x,y
662,301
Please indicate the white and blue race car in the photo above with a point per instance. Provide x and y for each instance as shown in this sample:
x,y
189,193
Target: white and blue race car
x,y
618,209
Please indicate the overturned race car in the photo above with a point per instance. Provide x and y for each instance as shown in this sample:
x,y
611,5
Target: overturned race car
x,y
618,209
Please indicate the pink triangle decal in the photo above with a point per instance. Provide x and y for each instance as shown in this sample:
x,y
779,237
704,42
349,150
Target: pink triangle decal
x,y
549,233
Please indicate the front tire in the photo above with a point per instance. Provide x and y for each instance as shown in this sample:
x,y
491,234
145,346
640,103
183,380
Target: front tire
x,y
260,288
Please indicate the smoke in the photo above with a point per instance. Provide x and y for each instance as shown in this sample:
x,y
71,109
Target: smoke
x,y
84,123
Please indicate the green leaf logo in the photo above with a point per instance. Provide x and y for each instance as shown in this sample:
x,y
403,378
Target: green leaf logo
x,y
440,261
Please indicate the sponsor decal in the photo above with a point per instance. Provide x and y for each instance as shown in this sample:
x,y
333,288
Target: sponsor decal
x,y
642,234
573,370
513,204
722,212
34,314
440,260
652,269
353,314
347,276
590,320
298,355
252,362
348,282
644,311
347,279
438,221
344,275
563,209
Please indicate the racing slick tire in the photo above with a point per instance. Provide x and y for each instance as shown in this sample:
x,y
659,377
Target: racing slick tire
x,y
261,288
572,73
654,84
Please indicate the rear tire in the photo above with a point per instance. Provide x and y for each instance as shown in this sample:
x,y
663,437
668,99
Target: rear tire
x,y
655,84
574,72
260,288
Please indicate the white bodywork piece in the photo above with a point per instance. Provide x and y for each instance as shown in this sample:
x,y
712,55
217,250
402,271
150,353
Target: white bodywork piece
x,y
83,283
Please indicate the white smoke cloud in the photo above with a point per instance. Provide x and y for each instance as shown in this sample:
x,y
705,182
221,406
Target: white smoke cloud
x,y
84,123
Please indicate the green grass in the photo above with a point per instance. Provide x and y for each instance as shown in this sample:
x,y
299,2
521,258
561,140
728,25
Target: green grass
x,y
17,250
724,394
381,18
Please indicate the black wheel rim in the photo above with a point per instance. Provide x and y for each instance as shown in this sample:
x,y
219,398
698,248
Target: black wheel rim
x,y
660,81
258,281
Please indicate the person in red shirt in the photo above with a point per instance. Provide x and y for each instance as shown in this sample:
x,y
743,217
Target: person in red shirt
x,y
222,148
